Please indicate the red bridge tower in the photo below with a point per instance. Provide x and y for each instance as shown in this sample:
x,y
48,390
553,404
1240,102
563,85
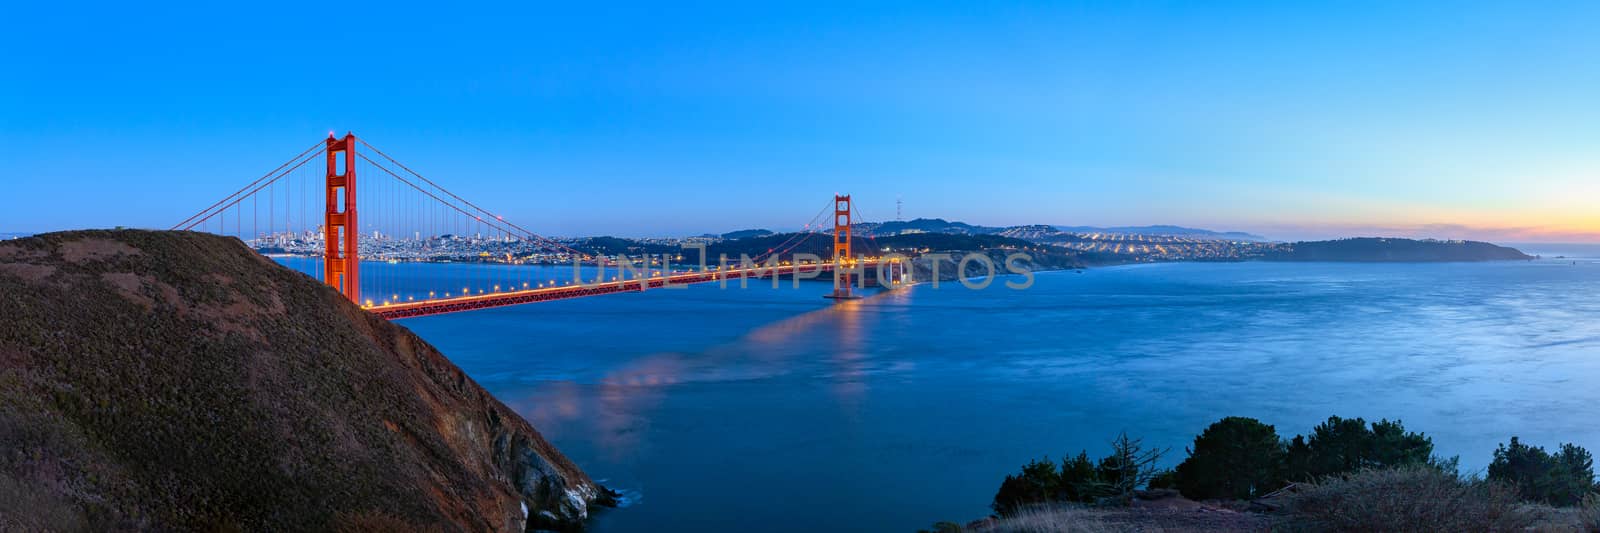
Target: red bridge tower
x,y
843,264
339,229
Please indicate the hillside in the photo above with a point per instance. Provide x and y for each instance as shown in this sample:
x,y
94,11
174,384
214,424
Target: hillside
x,y
612,246
746,233
821,245
178,381
1167,230
1374,249
922,225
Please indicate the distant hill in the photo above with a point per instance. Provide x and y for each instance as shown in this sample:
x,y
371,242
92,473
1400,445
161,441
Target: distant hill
x,y
1171,231
923,225
178,381
746,233
611,246
1376,249
821,244
1041,232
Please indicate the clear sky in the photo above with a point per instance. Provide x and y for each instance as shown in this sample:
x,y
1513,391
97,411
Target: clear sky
x,y
1289,119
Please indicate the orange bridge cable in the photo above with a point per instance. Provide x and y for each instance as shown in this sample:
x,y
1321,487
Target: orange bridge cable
x,y
778,252
548,243
803,236
797,236
805,231
794,242
458,197
495,223
795,245
470,216
214,211
520,232
807,236
258,180
872,236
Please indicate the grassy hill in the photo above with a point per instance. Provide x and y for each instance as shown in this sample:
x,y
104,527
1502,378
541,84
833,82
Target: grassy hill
x,y
179,381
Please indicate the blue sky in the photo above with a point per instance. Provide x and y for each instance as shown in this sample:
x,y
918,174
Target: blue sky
x,y
1291,119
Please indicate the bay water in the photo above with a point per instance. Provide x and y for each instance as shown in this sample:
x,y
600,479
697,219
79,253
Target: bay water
x,y
778,410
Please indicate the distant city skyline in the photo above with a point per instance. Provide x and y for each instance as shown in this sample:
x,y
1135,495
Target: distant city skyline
x,y
1451,120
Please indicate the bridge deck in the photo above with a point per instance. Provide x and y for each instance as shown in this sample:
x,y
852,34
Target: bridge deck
x,y
501,299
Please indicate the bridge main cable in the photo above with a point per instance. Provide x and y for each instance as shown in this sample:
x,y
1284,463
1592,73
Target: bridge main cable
x,y
774,251
535,236
495,223
192,222
245,188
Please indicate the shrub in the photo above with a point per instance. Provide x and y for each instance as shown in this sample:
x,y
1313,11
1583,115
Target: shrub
x,y
1129,467
1574,475
1560,479
1038,482
1236,457
1342,445
27,505
1589,513
1166,479
943,527
1407,498
1079,480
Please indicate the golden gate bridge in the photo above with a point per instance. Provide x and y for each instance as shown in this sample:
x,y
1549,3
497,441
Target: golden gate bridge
x,y
298,209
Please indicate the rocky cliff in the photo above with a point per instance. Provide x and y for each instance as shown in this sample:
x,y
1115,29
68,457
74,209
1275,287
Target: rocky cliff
x,y
175,380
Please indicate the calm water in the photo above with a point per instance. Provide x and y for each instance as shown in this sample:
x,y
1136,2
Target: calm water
x,y
766,409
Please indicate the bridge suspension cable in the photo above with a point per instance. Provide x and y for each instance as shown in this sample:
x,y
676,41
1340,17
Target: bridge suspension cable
x,y
872,236
447,192
253,187
803,235
400,250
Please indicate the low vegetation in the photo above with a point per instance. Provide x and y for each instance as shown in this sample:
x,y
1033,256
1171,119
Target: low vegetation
x,y
1406,498
1111,479
1564,478
1236,457
1242,458
1344,475
178,381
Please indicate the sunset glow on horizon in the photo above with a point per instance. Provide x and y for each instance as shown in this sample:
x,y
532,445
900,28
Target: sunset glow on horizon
x,y
1445,120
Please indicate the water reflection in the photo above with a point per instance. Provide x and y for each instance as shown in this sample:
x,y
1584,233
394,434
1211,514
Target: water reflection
x,y
619,412
802,405
849,356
